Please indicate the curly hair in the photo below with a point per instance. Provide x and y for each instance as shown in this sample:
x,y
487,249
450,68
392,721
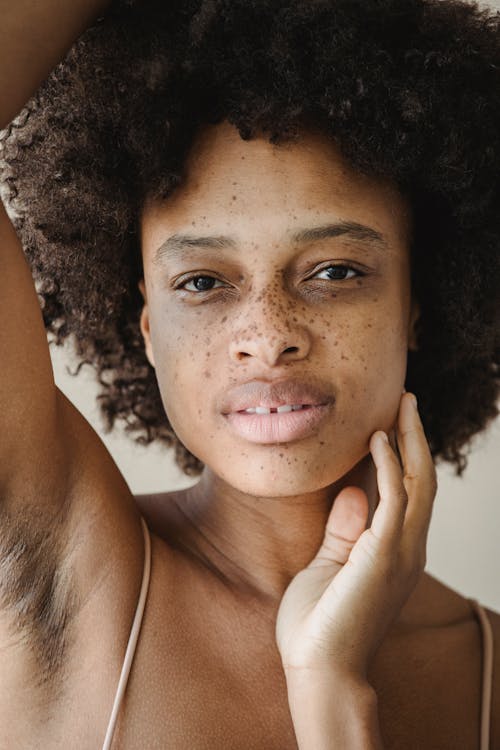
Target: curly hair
x,y
408,89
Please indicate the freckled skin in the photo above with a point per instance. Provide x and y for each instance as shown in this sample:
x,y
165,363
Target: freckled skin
x,y
267,321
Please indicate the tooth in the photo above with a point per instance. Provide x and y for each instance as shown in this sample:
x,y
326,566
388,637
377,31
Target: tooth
x,y
282,409
262,410
296,407
251,410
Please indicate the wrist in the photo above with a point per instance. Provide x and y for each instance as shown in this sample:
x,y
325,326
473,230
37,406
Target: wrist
x,y
332,710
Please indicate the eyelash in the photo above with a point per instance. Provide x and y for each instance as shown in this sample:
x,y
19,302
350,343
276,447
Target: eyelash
x,y
208,276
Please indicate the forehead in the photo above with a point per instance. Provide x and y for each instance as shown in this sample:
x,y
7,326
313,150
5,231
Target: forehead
x,y
255,187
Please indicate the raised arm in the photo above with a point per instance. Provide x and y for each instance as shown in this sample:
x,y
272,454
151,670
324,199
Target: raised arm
x,y
34,36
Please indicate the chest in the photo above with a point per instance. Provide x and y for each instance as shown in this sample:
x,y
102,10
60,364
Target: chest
x,y
209,676
202,708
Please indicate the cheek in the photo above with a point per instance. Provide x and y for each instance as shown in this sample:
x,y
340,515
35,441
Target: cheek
x,y
373,369
185,371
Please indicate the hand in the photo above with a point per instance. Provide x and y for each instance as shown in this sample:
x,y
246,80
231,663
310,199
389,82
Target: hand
x,y
335,613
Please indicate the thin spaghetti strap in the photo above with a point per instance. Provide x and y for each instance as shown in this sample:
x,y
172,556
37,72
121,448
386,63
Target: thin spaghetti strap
x,y
487,681
132,643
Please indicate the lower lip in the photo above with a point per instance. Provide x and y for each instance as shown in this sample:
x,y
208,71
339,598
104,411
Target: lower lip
x,y
278,427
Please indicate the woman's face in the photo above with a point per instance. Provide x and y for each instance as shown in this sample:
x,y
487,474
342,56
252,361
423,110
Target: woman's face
x,y
272,316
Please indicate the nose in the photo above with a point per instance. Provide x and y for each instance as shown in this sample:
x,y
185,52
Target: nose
x,y
271,338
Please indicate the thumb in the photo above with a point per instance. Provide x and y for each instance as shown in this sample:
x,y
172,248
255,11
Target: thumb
x,y
346,522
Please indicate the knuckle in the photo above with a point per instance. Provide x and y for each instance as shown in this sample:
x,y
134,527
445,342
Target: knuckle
x,y
402,495
411,430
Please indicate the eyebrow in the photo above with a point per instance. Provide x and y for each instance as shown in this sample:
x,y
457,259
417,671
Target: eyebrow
x,y
178,243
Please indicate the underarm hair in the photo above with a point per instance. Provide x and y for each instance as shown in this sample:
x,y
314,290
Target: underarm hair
x,y
36,589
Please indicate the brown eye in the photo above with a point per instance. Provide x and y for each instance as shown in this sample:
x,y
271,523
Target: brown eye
x,y
339,272
200,284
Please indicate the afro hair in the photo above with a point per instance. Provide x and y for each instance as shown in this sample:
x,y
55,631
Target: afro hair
x,y
408,89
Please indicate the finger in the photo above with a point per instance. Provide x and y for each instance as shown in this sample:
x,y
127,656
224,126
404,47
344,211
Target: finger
x,y
346,523
419,475
394,445
389,516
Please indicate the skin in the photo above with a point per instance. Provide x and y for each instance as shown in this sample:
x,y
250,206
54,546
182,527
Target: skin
x,y
259,511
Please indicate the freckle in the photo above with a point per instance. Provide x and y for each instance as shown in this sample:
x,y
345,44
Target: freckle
x,y
321,442
207,374
336,343
208,355
234,197
281,455
261,468
224,319
359,282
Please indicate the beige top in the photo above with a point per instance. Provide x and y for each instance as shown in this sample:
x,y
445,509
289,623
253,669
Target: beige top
x,y
487,639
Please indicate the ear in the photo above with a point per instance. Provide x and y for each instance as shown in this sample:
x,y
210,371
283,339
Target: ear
x,y
412,334
144,323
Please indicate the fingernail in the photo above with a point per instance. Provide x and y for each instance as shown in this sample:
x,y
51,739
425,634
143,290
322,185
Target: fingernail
x,y
383,436
414,400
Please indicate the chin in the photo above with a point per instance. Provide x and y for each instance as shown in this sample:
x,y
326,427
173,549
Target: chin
x,y
288,476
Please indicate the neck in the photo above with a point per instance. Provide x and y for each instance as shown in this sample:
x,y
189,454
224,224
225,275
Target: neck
x,y
258,544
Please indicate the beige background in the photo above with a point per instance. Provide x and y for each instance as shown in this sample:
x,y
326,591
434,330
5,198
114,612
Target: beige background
x,y
464,540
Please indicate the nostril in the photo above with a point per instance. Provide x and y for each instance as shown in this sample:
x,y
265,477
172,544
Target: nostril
x,y
291,349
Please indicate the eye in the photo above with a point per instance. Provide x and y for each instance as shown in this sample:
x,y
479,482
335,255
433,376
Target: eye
x,y
199,283
339,272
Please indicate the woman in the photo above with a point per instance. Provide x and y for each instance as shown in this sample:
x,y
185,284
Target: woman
x,y
268,226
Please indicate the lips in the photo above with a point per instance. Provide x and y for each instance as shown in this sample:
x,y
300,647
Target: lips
x,y
311,402
271,395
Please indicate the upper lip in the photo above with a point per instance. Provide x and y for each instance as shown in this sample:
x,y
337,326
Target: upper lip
x,y
291,391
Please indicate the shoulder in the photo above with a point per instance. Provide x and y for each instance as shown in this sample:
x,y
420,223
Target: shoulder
x,y
494,619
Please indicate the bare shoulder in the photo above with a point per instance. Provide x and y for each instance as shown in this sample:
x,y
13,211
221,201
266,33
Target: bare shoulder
x,y
494,618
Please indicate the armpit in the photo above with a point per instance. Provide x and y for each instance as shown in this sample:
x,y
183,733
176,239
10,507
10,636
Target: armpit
x,y
37,597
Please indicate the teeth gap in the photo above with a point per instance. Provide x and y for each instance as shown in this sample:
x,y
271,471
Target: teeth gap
x,y
275,409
